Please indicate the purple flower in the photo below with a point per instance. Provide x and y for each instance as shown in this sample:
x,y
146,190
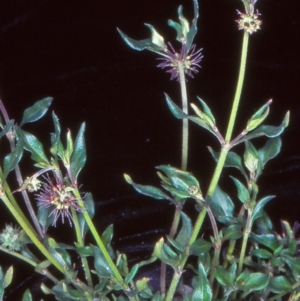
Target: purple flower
x,y
189,58
59,197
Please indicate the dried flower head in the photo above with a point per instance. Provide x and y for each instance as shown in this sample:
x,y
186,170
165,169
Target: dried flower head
x,y
189,58
249,22
59,197
10,238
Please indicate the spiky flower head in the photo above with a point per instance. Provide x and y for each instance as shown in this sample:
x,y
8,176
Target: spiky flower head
x,y
188,57
10,238
249,22
58,196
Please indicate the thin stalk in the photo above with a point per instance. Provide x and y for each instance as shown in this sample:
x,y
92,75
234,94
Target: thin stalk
x,y
98,240
85,265
11,137
185,121
184,161
247,231
28,230
222,158
163,269
29,261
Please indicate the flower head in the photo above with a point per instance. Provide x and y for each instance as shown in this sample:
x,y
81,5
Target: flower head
x,y
189,58
10,238
249,21
59,197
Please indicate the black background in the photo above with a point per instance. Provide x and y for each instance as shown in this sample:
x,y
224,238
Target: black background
x,y
71,50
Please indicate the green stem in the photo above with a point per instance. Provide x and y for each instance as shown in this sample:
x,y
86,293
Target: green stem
x,y
28,230
163,269
173,286
81,244
185,121
29,261
99,240
247,231
222,158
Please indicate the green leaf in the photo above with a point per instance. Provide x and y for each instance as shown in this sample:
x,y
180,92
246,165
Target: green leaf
x,y
8,277
252,281
11,160
102,268
7,128
251,158
90,208
185,232
140,44
280,284
202,291
200,246
261,253
34,146
132,273
176,111
37,111
243,193
258,209
207,110
267,130
56,145
156,38
293,263
182,181
258,117
232,232
27,296
269,151
225,277
78,157
268,240
147,190
221,206
166,254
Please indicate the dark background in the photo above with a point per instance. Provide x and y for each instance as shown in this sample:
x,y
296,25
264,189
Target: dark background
x,y
71,50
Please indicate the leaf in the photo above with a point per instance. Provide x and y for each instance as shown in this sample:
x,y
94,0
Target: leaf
x,y
37,111
261,253
252,281
267,130
243,193
147,190
78,157
225,277
185,232
8,277
140,44
280,284
207,110
268,240
27,296
182,181
200,246
176,111
258,209
34,146
221,206
270,150
7,128
202,291
258,117
90,208
132,273
56,147
11,160
232,232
